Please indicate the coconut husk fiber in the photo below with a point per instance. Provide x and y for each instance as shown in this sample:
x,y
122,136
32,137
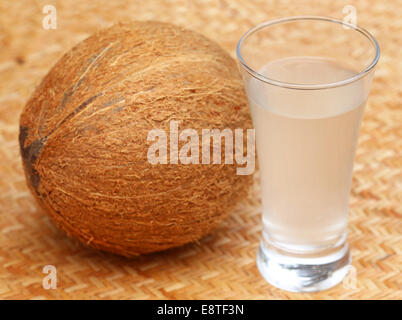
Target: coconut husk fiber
x,y
83,138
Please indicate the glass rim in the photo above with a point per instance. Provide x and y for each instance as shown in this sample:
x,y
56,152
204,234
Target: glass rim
x,y
289,85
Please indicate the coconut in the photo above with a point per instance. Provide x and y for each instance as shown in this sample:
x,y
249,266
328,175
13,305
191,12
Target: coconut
x,y
84,138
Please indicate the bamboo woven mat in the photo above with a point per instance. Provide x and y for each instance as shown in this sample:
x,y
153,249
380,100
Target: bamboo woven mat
x,y
222,265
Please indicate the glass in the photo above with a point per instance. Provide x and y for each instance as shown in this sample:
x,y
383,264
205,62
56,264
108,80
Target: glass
x,y
307,80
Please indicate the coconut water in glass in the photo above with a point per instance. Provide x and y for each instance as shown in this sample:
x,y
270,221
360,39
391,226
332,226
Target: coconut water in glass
x,y
307,99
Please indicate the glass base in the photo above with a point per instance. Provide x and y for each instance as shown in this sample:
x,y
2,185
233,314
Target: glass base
x,y
299,273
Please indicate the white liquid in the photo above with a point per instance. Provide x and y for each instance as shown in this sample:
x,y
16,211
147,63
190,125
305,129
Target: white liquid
x,y
306,141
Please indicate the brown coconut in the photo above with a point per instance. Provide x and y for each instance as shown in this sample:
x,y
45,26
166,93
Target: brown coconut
x,y
83,138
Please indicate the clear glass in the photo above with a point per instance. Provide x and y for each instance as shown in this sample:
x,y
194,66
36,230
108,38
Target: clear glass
x,y
307,80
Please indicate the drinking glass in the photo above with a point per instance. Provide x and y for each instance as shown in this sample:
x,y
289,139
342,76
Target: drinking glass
x,y
307,80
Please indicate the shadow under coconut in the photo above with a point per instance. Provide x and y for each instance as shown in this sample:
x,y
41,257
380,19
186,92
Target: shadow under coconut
x,y
211,244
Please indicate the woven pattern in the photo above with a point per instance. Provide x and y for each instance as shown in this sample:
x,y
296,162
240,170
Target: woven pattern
x,y
222,265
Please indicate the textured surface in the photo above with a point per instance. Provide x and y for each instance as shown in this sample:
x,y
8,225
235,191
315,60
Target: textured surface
x,y
84,138
222,265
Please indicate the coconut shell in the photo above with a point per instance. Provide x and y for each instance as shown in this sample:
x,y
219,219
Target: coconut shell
x,y
83,138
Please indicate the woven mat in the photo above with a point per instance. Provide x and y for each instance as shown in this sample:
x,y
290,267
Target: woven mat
x,y
222,265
